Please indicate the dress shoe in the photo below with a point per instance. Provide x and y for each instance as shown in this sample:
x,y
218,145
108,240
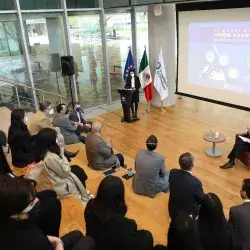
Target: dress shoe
x,y
229,164
70,154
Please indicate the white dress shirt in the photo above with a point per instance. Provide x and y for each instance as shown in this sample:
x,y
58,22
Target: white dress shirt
x,y
79,116
132,82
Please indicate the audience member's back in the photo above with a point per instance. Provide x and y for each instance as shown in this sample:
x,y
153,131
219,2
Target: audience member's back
x,y
185,190
215,233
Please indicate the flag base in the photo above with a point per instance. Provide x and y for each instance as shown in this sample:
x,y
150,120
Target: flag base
x,y
162,107
148,107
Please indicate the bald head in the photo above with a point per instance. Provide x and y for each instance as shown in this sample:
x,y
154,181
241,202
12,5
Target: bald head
x,y
96,127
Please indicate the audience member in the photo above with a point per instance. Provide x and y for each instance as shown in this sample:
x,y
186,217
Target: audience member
x,y
106,222
151,176
239,147
20,141
215,233
76,116
18,231
183,233
239,218
99,151
61,120
66,180
185,190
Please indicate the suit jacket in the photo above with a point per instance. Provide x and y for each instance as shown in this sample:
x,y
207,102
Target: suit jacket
x,y
186,193
151,176
73,117
128,85
99,154
239,218
22,149
67,129
38,121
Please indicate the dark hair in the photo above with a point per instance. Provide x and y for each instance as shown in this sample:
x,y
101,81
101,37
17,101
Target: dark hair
x,y
151,142
183,233
110,195
59,107
44,105
17,124
246,187
214,230
186,161
46,142
15,195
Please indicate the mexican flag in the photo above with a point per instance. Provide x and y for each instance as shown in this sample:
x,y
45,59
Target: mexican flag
x,y
145,76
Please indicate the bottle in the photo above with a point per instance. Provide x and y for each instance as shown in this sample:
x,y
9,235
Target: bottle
x,y
210,133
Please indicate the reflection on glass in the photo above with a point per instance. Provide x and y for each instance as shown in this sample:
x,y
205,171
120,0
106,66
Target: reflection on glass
x,y
39,4
115,3
85,37
46,43
71,4
119,39
6,5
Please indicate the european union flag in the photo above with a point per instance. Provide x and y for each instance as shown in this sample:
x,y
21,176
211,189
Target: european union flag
x,y
130,66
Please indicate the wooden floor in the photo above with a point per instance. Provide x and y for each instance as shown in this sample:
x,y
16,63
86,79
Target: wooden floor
x,y
180,129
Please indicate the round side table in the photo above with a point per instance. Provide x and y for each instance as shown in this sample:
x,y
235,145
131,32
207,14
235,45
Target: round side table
x,y
214,152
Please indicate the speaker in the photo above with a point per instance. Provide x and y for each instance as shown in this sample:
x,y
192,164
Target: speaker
x,y
67,63
55,62
157,10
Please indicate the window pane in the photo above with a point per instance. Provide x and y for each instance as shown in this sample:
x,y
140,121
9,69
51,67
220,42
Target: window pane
x,y
46,43
119,38
72,4
115,3
39,4
85,37
12,65
6,5
138,2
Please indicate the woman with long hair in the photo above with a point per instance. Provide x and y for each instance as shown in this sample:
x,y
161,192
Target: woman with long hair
x,y
66,180
215,233
106,222
20,141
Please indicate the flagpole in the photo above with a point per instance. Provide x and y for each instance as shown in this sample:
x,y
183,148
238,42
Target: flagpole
x,y
148,106
162,107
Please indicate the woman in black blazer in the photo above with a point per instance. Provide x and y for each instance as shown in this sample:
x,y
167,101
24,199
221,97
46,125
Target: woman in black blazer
x,y
20,141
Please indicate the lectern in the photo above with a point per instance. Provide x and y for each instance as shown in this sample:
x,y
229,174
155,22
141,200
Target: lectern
x,y
126,98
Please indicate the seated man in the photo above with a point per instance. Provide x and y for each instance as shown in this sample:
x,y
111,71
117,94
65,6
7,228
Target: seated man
x,y
151,176
76,116
239,218
186,190
99,151
239,147
68,130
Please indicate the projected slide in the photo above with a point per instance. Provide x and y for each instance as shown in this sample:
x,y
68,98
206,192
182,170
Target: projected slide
x,y
219,55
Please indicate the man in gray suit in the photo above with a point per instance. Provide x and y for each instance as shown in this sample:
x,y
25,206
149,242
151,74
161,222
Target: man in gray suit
x,y
99,151
151,176
239,218
68,130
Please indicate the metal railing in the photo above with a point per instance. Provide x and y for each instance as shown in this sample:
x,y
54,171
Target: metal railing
x,y
13,95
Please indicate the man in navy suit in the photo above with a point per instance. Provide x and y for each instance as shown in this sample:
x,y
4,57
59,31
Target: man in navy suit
x,y
186,190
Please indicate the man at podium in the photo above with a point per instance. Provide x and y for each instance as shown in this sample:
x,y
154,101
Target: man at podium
x,y
133,82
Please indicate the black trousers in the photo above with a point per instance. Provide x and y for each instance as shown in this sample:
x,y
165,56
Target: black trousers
x,y
47,213
121,159
239,147
76,241
79,172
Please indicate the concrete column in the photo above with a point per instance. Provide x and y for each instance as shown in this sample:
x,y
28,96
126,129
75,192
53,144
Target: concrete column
x,y
162,33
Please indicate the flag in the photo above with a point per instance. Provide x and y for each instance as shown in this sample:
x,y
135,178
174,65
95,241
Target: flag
x,y
145,76
130,66
160,81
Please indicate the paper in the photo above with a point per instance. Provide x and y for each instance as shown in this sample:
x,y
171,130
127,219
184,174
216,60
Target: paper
x,y
244,139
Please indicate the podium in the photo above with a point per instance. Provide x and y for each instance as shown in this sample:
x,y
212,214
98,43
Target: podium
x,y
126,99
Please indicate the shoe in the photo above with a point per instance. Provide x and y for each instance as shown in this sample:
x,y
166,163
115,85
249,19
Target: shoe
x,y
227,165
70,154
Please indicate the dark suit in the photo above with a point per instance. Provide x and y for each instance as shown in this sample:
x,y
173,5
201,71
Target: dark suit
x,y
74,118
185,193
239,218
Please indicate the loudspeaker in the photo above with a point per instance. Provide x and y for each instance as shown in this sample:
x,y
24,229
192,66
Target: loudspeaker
x,y
67,63
55,62
157,10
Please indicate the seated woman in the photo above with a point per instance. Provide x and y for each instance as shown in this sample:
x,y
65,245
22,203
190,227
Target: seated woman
x,y
106,222
18,231
20,141
215,232
66,180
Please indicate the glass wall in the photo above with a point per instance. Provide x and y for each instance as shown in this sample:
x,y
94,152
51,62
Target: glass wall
x,y
6,5
46,43
116,3
119,39
86,43
41,4
140,2
73,4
